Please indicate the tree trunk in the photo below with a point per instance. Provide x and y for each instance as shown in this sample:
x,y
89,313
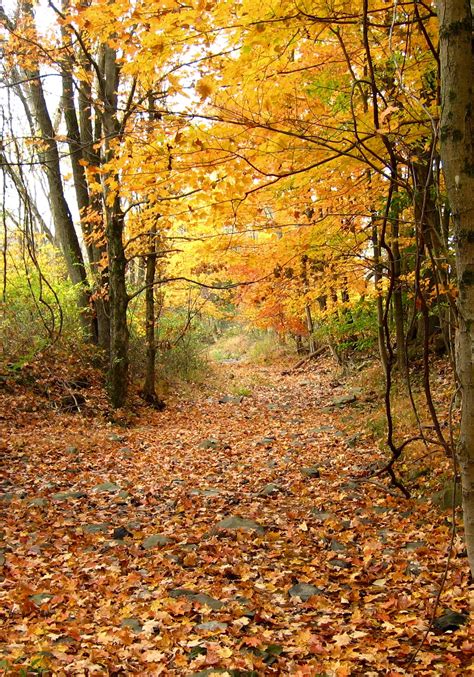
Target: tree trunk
x,y
75,152
380,311
397,298
149,386
49,154
434,244
119,336
61,215
457,154
310,326
82,141
118,356
88,207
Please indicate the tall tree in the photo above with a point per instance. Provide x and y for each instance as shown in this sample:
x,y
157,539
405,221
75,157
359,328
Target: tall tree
x,y
457,152
35,100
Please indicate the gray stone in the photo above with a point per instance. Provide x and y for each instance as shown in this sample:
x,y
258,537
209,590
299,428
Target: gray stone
x,y
381,509
132,623
270,490
321,515
212,626
200,597
450,620
37,502
266,441
134,524
235,522
337,546
120,533
413,569
205,492
155,540
344,399
41,598
209,601
96,528
66,495
211,492
339,564
208,444
109,487
230,399
123,494
311,471
444,498
304,591
116,438
414,545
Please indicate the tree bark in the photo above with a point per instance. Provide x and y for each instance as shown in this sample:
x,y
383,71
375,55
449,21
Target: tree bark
x,y
82,149
434,245
149,386
90,136
380,310
310,326
61,214
397,297
457,154
119,335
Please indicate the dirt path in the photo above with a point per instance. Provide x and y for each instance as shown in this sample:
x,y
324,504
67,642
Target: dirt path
x,y
219,535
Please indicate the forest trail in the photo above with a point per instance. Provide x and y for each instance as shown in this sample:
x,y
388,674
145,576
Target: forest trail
x,y
229,532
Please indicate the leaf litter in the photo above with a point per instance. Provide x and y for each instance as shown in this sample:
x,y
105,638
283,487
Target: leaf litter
x,y
223,536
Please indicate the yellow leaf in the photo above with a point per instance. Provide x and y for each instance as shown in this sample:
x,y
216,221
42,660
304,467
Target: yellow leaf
x,y
205,88
153,656
225,652
342,639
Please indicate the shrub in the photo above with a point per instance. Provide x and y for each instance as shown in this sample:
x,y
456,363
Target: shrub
x,y
180,354
351,329
35,314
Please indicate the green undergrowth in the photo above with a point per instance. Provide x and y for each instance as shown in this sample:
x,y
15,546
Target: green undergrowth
x,y
423,466
36,313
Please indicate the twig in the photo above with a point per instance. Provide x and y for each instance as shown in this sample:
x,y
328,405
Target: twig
x,y
377,485
306,359
453,534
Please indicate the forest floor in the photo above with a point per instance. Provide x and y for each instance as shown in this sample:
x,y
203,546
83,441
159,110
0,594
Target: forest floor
x,y
234,533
